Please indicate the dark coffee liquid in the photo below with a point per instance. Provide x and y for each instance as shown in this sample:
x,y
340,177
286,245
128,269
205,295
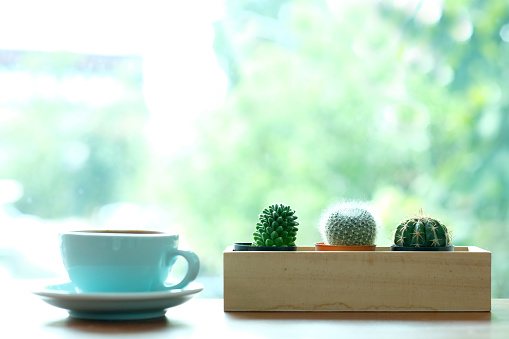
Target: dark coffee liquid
x,y
121,232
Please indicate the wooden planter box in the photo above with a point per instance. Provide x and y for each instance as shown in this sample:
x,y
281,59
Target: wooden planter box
x,y
307,280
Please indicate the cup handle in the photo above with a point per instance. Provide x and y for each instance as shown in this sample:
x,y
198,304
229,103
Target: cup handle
x,y
193,267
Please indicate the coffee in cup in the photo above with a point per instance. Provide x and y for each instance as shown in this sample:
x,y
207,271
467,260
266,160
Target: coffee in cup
x,y
124,261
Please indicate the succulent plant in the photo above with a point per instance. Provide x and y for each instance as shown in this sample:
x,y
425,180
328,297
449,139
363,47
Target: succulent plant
x,y
348,224
277,227
422,231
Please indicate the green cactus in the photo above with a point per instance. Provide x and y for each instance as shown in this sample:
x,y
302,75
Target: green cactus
x,y
422,231
276,227
348,224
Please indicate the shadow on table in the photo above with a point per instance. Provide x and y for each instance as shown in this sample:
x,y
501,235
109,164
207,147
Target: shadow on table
x,y
117,327
369,316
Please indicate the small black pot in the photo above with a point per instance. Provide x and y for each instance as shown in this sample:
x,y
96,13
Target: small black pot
x,y
247,246
420,249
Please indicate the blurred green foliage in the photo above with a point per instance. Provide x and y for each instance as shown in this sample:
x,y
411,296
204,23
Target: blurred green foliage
x,y
70,156
356,101
396,103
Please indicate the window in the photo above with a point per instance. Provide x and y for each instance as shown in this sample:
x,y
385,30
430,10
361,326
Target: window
x,y
192,117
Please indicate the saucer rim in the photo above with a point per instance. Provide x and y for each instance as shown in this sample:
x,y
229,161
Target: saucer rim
x,y
46,291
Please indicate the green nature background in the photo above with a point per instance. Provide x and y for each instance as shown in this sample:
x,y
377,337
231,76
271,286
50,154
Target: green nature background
x,y
379,101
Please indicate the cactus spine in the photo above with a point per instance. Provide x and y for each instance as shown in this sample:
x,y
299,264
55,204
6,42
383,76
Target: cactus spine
x,y
422,231
276,227
348,224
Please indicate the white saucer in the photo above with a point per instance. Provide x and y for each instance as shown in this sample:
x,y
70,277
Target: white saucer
x,y
115,306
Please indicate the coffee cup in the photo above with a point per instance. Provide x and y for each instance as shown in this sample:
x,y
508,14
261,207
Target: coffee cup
x,y
124,261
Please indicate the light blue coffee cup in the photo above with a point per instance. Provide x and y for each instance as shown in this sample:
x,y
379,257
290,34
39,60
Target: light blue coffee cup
x,y
124,261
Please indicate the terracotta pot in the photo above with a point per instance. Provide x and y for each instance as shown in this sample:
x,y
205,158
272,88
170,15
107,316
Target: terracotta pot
x,y
320,246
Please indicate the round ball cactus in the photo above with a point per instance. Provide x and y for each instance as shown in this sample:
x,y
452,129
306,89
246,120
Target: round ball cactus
x,y
422,231
276,227
348,224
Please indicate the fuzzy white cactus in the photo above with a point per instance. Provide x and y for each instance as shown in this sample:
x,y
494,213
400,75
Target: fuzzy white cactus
x,y
349,224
